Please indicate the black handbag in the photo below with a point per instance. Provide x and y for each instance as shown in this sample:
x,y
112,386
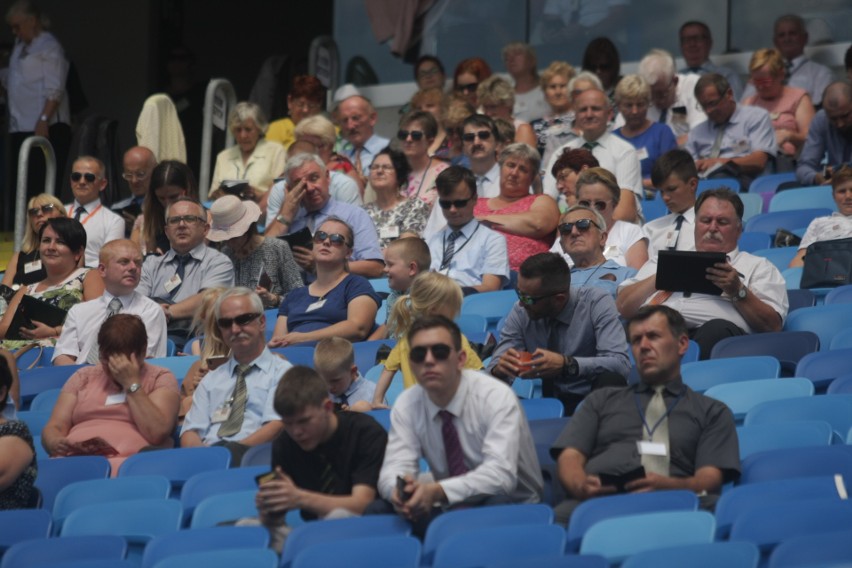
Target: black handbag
x,y
828,264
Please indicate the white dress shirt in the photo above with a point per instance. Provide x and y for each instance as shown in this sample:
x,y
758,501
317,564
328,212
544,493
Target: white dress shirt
x,y
479,251
102,226
661,232
487,185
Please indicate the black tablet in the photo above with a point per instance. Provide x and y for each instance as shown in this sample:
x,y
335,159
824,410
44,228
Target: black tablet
x,y
686,271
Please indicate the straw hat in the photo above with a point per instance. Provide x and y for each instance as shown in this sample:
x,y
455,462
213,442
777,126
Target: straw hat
x,y
231,217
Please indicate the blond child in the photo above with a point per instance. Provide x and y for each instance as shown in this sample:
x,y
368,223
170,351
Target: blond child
x,y
334,360
405,258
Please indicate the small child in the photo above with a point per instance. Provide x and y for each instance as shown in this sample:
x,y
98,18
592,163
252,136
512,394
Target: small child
x,y
405,258
334,360
432,293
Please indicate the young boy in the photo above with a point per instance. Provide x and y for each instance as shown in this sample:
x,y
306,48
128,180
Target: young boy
x,y
334,360
405,258
676,177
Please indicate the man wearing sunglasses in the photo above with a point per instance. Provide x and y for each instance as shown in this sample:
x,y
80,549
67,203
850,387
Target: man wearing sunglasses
x,y
466,250
101,224
570,338
467,426
234,405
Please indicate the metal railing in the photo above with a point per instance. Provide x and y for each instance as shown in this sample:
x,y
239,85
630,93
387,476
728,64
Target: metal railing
x,y
23,170
218,102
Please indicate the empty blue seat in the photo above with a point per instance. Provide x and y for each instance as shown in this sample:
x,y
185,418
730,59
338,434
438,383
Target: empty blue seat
x,y
824,549
365,352
762,437
491,305
54,474
177,464
225,558
701,375
654,209
569,561
481,546
779,257
207,483
224,507
258,455
712,555
43,552
743,396
841,385
798,298
768,183
751,241
794,219
472,325
835,409
752,205
398,551
45,400
34,419
34,381
394,389
800,198
297,354
540,408
717,183
840,295
786,346
792,277
179,366
825,321
203,540
825,366
797,462
842,340
20,525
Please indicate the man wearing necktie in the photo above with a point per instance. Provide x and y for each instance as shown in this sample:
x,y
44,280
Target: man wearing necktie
x,y
357,119
233,405
468,427
680,439
676,178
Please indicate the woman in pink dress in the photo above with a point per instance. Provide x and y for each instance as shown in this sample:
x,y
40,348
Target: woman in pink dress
x,y
790,108
126,402
528,221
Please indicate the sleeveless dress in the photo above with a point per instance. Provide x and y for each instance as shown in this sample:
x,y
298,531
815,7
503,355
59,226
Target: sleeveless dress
x,y
519,248
782,111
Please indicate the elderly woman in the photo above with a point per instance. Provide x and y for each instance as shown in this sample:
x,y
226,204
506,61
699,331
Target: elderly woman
x,y
435,102
497,98
838,225
554,84
790,108
337,303
169,180
25,265
305,99
528,221
468,75
392,213
252,158
522,65
651,139
19,464
320,131
260,264
417,131
567,169
62,246
126,402
583,81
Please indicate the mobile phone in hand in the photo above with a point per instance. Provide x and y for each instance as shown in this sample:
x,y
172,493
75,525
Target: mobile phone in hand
x,y
400,489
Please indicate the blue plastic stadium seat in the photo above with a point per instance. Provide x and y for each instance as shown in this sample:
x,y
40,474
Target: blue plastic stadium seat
x,y
203,540
701,375
802,197
751,241
786,346
177,464
798,298
743,396
23,524
775,436
840,295
718,183
53,551
823,549
492,305
835,409
399,551
258,455
540,408
54,474
713,555
825,321
207,483
791,463
779,257
481,546
297,354
825,366
790,220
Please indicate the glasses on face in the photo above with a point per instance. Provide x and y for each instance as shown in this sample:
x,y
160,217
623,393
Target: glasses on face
x,y
469,88
336,239
131,176
187,219
440,351
599,205
381,168
44,209
428,72
88,176
416,135
240,320
304,105
471,136
582,225
457,203
528,300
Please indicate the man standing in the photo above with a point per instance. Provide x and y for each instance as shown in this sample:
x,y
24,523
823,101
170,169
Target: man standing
x,y
676,178
574,337
138,164
121,268
101,224
696,41
469,427
682,439
177,279
466,250
357,119
830,134
233,405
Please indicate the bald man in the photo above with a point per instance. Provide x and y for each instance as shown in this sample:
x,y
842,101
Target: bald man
x,y
357,119
138,164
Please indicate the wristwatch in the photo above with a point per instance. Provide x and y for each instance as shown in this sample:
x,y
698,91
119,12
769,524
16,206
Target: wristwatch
x,y
570,367
134,387
740,295
283,220
43,118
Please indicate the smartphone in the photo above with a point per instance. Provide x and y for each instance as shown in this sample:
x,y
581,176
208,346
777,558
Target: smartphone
x,y
400,489
265,477
216,362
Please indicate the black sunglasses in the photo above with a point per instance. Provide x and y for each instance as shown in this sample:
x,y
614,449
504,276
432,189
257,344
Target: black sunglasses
x,y
440,351
581,224
240,320
336,239
89,177
457,203
469,88
599,205
47,209
471,136
528,300
416,135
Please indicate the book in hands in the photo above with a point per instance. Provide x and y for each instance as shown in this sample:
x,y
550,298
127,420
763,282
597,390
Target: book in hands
x,y
96,446
31,309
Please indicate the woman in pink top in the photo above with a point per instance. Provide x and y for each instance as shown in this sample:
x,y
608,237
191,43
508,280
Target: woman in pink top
x,y
528,221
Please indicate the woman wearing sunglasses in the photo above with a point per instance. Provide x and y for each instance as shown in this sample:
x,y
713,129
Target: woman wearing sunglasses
x,y
417,131
337,303
467,76
25,265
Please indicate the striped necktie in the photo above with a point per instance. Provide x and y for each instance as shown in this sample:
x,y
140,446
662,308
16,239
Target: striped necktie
x,y
234,422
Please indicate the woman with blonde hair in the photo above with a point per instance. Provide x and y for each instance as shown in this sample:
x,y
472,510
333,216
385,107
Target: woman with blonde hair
x,y
210,347
435,102
497,99
554,84
25,265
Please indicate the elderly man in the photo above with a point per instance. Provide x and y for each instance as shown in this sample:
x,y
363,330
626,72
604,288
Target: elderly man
x,y
121,268
739,140
138,164
101,224
233,405
790,37
570,338
682,439
308,203
753,293
468,427
830,134
676,178
696,41
594,111
357,119
177,279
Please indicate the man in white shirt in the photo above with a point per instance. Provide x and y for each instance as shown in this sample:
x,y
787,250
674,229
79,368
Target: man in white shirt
x,y
467,425
696,41
676,178
121,268
101,224
466,250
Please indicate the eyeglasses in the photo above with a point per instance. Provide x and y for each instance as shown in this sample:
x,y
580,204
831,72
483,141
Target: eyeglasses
x,y
88,176
305,105
471,136
440,351
131,176
240,320
336,239
188,219
457,203
469,88
428,71
416,135
582,225
599,205
528,300
46,209
380,168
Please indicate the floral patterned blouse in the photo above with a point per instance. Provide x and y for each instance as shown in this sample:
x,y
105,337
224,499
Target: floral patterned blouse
x,y
409,215
65,294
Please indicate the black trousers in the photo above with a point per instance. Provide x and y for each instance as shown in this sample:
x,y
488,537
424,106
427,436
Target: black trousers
x,y
570,400
711,333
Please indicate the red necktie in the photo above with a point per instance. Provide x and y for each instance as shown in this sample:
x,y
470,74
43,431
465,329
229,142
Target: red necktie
x,y
452,446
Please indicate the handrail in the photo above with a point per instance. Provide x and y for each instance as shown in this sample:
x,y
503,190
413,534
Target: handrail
x,y
221,93
23,171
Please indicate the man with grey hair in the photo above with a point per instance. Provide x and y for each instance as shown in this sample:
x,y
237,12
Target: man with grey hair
x,y
696,41
594,111
308,203
790,37
357,119
234,405
830,134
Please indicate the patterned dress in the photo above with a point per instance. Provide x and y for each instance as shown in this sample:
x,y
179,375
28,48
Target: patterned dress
x,y
18,495
273,257
409,215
